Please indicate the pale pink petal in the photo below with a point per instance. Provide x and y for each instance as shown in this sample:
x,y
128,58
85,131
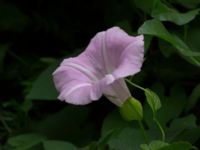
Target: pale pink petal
x,y
76,85
131,59
117,92
110,56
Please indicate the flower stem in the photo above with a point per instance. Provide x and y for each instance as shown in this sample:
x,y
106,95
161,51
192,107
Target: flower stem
x,y
160,127
135,85
143,131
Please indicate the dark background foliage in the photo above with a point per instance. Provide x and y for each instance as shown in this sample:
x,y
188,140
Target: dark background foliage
x,y
36,35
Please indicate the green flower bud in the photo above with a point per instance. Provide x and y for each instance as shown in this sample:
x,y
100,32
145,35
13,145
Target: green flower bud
x,y
131,109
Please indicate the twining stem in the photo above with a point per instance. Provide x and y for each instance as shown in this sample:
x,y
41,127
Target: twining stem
x,y
135,85
143,131
154,114
160,127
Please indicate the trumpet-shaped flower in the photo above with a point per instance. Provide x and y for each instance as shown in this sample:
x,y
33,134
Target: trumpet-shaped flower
x,y
110,56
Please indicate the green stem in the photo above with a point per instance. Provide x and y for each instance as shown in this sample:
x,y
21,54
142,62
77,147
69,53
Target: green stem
x,y
143,131
135,85
160,128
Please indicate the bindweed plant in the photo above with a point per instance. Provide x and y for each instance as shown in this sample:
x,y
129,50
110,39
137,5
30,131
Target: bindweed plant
x,y
135,86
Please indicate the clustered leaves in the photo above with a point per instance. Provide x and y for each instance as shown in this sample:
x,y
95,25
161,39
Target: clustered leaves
x,y
37,35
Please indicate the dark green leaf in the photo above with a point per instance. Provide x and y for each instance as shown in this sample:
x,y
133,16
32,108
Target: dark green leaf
x,y
67,124
178,146
12,18
113,121
164,13
184,129
25,141
156,28
43,88
194,97
58,145
127,139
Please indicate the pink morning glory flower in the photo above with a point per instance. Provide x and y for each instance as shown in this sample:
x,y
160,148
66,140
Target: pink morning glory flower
x,y
110,56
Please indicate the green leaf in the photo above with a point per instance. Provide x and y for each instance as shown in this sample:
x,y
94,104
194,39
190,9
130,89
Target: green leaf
x,y
113,122
172,104
131,110
145,5
58,145
25,141
178,146
12,18
187,3
153,100
164,13
43,88
194,97
156,28
67,124
127,139
184,129
154,145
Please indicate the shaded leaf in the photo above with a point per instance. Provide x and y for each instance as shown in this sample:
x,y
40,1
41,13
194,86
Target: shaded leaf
x,y
43,88
128,139
184,129
156,28
113,121
194,97
12,18
25,141
178,146
164,13
58,145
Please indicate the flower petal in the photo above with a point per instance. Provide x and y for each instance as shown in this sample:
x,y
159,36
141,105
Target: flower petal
x,y
131,59
75,83
117,92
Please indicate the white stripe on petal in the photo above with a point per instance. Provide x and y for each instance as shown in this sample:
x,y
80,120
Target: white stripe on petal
x,y
82,69
75,88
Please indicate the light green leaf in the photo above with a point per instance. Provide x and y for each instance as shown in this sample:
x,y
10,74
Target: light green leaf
x,y
164,13
153,100
43,88
25,141
156,28
58,145
154,145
